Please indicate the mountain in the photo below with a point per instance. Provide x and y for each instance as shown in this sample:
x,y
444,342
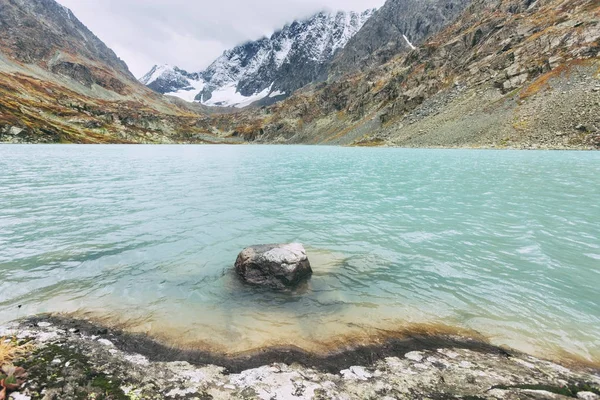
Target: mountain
x,y
166,79
503,74
398,26
266,69
61,83
45,33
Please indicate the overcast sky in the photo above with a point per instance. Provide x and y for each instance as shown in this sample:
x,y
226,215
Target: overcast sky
x,y
191,33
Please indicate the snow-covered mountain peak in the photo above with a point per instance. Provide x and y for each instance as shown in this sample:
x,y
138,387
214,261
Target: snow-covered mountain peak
x,y
266,69
156,73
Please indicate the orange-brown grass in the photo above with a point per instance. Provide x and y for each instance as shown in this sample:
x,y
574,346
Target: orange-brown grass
x,y
543,81
45,107
348,129
366,142
250,129
11,350
379,85
592,6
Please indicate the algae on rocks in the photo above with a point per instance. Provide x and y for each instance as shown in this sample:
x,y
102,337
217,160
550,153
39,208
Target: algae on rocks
x,y
78,364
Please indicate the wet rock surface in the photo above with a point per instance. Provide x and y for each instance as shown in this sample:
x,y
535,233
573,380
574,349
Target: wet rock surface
x,y
72,363
278,266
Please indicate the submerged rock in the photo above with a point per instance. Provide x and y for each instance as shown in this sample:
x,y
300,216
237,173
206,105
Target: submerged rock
x,y
278,266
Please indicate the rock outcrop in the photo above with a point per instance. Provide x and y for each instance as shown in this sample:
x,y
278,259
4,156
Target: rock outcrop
x,y
277,266
77,360
397,27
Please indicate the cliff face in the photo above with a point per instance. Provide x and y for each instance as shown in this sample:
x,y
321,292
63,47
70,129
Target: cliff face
x,y
397,27
506,73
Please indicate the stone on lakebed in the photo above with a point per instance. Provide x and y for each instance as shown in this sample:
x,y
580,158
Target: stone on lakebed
x,y
278,266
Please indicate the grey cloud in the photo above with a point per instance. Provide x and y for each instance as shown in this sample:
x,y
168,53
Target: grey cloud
x,y
190,33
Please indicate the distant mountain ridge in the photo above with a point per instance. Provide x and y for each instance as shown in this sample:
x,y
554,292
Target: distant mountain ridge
x,y
266,69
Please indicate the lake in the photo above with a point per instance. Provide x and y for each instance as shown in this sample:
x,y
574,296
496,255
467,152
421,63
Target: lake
x,y
501,244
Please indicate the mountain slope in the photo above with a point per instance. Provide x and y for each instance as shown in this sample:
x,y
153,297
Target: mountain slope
x,y
45,33
398,26
506,73
266,69
60,83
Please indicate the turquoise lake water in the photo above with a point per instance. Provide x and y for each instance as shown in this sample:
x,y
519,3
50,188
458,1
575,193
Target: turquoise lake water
x,y
502,243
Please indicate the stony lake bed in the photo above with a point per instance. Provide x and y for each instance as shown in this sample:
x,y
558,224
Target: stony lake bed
x,y
436,273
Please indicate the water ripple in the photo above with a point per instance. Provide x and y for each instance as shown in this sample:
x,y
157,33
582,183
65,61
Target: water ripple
x,y
504,243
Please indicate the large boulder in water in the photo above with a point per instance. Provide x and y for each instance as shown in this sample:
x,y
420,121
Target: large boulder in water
x,y
278,266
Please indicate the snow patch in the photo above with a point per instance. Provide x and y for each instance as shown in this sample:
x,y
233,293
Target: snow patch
x,y
228,96
276,93
189,93
408,42
66,10
282,55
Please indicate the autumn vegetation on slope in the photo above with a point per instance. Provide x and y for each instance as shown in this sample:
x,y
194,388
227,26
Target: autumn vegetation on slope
x,y
510,46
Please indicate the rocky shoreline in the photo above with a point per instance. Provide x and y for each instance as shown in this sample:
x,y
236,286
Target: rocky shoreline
x,y
75,359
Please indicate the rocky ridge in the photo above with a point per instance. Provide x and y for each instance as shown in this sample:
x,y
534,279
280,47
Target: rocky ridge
x,y
45,33
266,69
398,27
60,83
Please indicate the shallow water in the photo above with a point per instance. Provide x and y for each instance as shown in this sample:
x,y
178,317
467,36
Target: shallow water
x,y
503,243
